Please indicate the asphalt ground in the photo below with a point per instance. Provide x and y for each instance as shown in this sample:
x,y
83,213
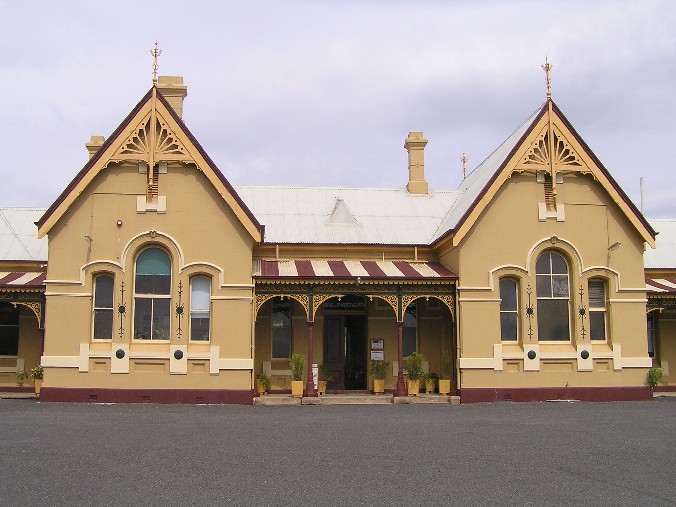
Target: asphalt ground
x,y
482,454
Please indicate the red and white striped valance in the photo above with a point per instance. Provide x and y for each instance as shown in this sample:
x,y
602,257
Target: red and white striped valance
x,y
376,270
660,285
22,279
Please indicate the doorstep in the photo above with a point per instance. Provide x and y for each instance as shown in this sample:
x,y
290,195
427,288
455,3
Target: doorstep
x,y
18,396
354,399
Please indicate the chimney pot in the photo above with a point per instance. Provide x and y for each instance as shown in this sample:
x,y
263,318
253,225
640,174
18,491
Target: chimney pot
x,y
415,145
94,144
173,89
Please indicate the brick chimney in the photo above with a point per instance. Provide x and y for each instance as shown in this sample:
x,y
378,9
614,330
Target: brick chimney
x,y
173,89
415,145
94,144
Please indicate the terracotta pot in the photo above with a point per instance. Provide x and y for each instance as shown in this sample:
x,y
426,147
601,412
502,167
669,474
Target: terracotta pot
x,y
413,387
297,388
378,386
444,386
321,387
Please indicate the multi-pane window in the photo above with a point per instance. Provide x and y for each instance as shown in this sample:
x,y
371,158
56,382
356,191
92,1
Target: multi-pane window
x,y
9,330
508,309
553,297
103,307
152,295
410,330
597,309
281,329
200,304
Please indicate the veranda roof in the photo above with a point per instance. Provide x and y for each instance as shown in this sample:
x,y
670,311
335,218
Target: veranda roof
x,y
340,269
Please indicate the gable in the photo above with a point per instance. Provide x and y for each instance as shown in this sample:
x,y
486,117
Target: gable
x,y
151,134
548,147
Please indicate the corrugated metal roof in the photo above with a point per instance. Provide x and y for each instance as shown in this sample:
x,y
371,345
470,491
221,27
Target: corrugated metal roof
x,y
22,279
664,256
474,183
381,216
19,235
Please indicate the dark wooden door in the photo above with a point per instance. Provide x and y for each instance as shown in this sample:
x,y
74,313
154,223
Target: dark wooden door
x,y
334,351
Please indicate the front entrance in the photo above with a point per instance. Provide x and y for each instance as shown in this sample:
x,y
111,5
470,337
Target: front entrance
x,y
345,351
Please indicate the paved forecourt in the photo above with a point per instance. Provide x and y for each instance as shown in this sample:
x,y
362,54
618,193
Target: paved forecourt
x,y
418,454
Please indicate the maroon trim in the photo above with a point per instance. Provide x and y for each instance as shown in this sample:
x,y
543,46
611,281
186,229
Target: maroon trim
x,y
179,396
339,269
269,268
665,389
487,395
304,268
373,269
11,277
17,389
406,269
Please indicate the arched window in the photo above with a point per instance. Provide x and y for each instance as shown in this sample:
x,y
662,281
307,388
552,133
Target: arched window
x,y
200,306
553,296
410,330
103,306
597,309
152,295
509,321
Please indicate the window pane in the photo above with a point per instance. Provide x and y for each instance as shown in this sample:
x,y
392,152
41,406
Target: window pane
x,y
9,316
408,341
544,286
560,286
103,324
597,293
553,324
142,318
543,265
153,261
281,343
507,294
199,327
161,316
508,326
103,295
201,293
597,325
559,265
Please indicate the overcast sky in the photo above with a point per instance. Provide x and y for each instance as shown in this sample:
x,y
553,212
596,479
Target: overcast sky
x,y
323,93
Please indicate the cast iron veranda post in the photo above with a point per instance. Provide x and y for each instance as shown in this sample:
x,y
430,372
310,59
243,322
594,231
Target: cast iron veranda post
x,y
310,390
401,391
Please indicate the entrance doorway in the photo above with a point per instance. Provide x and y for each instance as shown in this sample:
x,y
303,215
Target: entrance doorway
x,y
345,351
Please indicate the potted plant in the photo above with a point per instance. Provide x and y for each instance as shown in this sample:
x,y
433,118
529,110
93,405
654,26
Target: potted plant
x,y
378,372
296,364
655,375
37,374
414,367
262,383
325,376
21,377
445,380
431,382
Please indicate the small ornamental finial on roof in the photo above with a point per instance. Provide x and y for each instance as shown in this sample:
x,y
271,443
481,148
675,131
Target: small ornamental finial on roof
x,y
547,67
155,53
464,159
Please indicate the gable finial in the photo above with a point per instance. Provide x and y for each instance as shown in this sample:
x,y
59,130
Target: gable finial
x,y
464,159
155,53
547,67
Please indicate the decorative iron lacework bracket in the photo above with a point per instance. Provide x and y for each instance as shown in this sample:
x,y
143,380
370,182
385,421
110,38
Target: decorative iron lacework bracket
x,y
179,309
122,309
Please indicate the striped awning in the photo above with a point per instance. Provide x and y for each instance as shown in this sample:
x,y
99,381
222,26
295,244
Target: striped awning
x,y
19,279
375,270
660,285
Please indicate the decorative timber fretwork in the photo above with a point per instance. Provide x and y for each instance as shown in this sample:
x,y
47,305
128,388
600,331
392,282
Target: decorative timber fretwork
x,y
393,301
538,155
319,299
446,299
261,299
36,307
32,299
138,145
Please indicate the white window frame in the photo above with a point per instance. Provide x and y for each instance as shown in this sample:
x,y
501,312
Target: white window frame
x,y
538,297
598,309
97,276
515,311
206,310
137,296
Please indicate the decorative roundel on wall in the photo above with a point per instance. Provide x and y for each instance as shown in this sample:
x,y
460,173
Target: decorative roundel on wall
x,y
119,353
584,354
532,354
178,354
